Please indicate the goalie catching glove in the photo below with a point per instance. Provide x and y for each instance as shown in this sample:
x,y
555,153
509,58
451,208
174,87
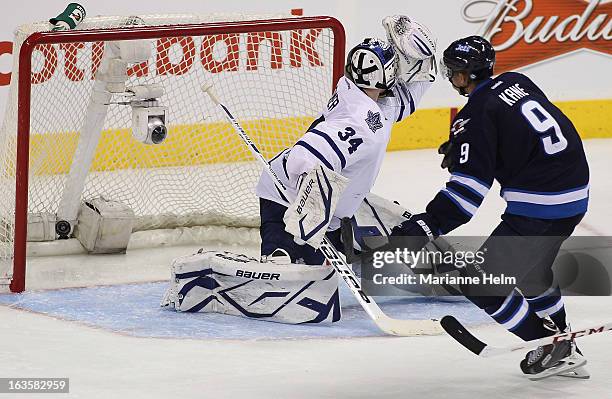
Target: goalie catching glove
x,y
415,45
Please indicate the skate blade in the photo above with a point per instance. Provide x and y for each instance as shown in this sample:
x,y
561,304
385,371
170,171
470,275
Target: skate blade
x,y
580,373
564,367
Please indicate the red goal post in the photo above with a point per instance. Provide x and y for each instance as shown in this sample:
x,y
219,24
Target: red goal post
x,y
22,173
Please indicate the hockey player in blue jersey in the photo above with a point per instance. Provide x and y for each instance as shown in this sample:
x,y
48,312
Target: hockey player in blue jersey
x,y
510,132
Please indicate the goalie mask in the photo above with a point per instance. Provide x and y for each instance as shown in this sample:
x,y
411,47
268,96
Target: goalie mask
x,y
372,64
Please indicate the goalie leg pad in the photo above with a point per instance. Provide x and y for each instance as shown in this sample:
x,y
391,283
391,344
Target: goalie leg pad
x,y
377,216
228,283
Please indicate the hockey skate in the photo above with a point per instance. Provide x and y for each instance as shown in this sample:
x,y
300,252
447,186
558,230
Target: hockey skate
x,y
559,359
579,372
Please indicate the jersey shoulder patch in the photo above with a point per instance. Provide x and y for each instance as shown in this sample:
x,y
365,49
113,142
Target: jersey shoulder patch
x,y
459,126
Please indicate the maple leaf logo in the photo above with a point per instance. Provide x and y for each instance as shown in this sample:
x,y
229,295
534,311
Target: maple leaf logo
x,y
373,121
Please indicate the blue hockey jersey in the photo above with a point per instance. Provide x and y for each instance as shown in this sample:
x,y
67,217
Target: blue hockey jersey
x,y
510,131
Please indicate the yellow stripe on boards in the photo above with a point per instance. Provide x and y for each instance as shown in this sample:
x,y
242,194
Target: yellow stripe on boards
x,y
592,118
186,145
199,144
426,128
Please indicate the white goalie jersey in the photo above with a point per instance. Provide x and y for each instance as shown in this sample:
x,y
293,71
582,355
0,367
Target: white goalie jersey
x,y
350,137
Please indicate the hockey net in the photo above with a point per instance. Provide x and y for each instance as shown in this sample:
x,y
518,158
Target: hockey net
x,y
274,73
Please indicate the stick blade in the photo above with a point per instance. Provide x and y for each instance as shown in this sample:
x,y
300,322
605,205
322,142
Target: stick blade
x,y
456,330
409,328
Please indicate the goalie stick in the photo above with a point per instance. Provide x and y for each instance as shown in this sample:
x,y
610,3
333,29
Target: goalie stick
x,y
387,324
456,330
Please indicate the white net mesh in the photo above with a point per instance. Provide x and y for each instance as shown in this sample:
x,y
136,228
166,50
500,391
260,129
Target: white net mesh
x,y
274,83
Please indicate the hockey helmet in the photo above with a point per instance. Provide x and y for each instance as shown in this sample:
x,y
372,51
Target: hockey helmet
x,y
472,54
372,64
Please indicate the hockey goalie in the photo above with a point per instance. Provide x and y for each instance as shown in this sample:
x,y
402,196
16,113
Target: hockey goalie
x,y
328,174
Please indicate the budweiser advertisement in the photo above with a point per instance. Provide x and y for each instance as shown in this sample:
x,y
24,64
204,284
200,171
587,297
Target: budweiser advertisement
x,y
526,32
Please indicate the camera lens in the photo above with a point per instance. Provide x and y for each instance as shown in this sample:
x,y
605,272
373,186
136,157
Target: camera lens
x,y
159,134
158,130
62,229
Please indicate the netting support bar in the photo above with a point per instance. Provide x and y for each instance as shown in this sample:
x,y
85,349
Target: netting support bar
x,y
84,155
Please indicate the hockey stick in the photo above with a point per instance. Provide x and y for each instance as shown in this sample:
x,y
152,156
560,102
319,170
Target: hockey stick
x,y
456,330
385,323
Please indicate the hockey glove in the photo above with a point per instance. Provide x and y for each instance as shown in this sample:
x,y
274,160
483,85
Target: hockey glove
x,y
416,48
421,224
446,150
309,216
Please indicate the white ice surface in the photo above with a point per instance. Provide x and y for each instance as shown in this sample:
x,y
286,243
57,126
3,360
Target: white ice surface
x,y
103,364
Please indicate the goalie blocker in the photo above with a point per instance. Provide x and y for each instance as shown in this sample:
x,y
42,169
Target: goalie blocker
x,y
309,216
224,282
